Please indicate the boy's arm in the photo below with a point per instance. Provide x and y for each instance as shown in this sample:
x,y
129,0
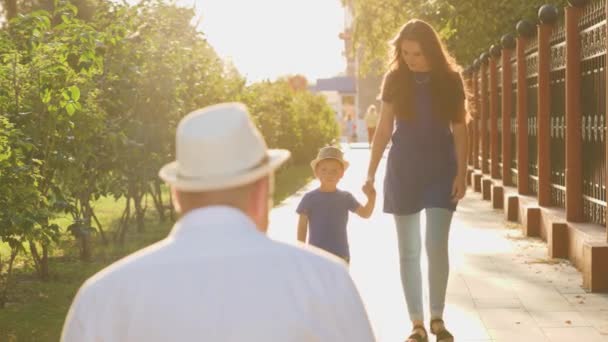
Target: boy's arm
x,y
302,228
366,210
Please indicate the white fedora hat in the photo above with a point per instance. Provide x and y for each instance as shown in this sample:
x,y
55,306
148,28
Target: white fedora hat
x,y
219,147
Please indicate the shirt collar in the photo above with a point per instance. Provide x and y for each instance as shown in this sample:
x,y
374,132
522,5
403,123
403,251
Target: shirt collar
x,y
222,220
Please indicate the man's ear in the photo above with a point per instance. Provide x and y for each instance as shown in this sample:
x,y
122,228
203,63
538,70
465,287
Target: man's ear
x,y
176,200
258,203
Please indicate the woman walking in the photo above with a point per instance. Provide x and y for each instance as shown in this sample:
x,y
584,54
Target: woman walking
x,y
423,110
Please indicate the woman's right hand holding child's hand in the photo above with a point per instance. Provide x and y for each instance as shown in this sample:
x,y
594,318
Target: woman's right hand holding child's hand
x,y
369,190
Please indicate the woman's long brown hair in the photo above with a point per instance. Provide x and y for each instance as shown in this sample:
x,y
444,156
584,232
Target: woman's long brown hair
x,y
443,66
432,48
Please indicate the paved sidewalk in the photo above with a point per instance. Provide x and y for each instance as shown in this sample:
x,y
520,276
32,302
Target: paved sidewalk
x,y
502,285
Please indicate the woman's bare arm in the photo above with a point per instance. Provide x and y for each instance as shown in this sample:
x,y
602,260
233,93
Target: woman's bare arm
x,y
459,131
384,131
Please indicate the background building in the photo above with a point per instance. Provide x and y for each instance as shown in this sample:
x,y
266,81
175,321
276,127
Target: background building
x,y
367,87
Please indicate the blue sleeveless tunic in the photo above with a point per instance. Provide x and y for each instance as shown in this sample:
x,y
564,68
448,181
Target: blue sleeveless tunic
x,y
421,163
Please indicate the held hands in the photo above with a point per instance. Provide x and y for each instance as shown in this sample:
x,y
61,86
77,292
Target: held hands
x,y
459,188
368,189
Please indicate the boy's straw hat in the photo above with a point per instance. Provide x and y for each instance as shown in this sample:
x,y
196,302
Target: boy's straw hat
x,y
329,152
219,147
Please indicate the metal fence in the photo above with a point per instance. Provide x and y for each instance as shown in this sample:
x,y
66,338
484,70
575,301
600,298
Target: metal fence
x,y
557,114
531,109
593,96
593,134
486,128
592,33
499,118
514,122
480,129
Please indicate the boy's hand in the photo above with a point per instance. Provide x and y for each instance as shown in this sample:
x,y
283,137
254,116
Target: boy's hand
x,y
369,190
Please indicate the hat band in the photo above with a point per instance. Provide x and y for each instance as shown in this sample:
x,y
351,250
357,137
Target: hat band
x,y
264,161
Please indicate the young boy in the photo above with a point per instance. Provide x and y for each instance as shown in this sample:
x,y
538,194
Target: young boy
x,y
326,209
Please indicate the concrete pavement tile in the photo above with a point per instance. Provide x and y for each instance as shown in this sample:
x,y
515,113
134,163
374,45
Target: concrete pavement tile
x,y
546,302
457,286
523,334
559,319
489,287
531,288
461,301
588,301
587,334
465,323
389,331
507,319
570,289
598,319
498,303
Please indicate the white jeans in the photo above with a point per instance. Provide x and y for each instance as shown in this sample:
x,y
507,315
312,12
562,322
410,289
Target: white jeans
x,y
438,222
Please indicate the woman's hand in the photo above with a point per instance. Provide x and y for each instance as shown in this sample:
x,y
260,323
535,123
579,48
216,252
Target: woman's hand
x,y
368,189
459,188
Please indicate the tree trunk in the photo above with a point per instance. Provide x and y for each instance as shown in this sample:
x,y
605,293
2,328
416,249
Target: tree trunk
x,y
139,214
121,233
85,249
41,262
171,207
45,262
11,9
156,193
85,239
137,197
5,286
104,239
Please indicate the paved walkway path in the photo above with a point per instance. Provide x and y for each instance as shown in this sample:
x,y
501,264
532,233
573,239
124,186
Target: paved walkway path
x,y
502,286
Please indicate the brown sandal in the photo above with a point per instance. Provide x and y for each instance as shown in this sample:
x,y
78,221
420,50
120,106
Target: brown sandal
x,y
443,335
416,334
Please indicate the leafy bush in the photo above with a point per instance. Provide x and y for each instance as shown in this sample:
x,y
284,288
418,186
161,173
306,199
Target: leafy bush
x,y
299,121
89,106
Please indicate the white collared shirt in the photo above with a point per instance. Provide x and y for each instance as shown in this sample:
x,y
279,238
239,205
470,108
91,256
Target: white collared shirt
x,y
216,278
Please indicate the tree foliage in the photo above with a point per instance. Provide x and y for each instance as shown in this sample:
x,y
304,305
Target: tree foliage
x,y
296,120
468,27
88,109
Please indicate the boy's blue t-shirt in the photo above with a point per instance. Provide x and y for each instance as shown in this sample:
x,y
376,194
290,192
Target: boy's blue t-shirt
x,y
327,216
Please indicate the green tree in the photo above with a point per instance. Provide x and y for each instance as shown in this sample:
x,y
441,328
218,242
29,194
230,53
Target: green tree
x,y
19,198
88,109
299,121
469,27
49,71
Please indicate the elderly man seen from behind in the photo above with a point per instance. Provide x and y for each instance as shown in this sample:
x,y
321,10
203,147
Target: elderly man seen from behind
x,y
217,277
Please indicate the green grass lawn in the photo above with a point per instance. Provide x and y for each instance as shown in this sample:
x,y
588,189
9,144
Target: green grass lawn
x,y
37,309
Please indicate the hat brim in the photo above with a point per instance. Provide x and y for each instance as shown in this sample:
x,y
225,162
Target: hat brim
x,y
314,163
169,174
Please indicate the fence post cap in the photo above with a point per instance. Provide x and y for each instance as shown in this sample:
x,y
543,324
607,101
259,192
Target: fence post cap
x,y
525,28
483,58
548,14
495,50
476,63
508,41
